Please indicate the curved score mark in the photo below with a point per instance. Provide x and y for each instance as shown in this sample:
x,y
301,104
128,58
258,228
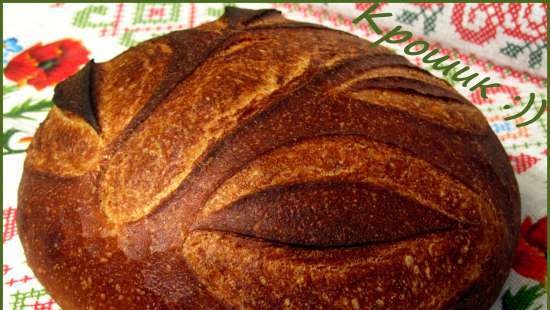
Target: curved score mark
x,y
167,85
327,213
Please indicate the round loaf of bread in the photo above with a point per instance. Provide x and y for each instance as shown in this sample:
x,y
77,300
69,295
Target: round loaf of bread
x,y
260,163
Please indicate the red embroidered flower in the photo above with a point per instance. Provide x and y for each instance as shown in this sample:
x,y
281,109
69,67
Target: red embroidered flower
x,y
530,256
477,23
45,65
526,22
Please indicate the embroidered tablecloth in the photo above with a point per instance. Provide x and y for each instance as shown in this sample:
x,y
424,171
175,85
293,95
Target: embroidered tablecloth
x,y
45,43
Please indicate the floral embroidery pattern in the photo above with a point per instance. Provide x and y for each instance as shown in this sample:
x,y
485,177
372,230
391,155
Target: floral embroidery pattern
x,y
21,112
428,12
39,66
10,45
523,299
530,257
477,23
46,65
523,24
480,23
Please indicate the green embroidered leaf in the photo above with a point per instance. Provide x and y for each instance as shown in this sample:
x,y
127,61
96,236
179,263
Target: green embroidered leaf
x,y
8,89
535,59
511,49
524,298
429,23
18,112
6,137
407,17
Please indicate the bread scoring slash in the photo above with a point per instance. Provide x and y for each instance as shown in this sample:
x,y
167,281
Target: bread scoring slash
x,y
256,162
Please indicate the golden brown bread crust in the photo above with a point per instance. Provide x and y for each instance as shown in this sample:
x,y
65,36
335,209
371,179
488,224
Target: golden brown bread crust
x,y
260,163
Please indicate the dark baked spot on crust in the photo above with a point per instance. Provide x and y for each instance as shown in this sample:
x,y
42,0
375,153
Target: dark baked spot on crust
x,y
327,214
75,95
237,17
